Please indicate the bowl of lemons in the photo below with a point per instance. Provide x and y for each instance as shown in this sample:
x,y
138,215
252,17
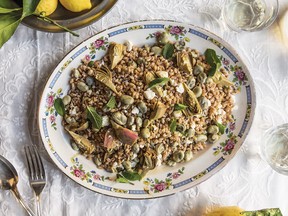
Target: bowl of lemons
x,y
73,14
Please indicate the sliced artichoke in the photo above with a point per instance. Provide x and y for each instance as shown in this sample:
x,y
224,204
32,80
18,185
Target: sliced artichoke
x,y
184,62
109,139
150,76
150,159
191,101
82,127
116,53
106,70
82,142
158,112
125,135
104,75
220,79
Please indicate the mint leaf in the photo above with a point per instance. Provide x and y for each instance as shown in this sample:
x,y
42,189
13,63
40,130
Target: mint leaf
x,y
132,176
213,60
94,117
168,51
122,179
59,106
179,106
158,81
111,103
221,128
173,125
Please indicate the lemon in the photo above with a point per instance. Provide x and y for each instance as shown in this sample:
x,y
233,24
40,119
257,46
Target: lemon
x,y
76,5
225,211
47,6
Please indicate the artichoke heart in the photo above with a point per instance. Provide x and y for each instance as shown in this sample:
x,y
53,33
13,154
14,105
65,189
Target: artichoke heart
x,y
82,142
84,126
191,101
220,79
158,112
125,135
104,75
150,76
109,139
116,53
184,62
150,159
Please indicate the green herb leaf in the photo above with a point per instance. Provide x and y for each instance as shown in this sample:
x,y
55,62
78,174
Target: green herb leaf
x,y
179,106
8,25
132,176
158,81
94,117
8,10
168,51
221,128
29,7
111,103
91,63
122,179
213,60
59,106
270,212
173,125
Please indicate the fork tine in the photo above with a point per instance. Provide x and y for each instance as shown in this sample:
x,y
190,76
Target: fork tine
x,y
39,162
29,162
34,162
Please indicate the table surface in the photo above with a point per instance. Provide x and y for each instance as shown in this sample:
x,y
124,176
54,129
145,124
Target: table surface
x,y
247,181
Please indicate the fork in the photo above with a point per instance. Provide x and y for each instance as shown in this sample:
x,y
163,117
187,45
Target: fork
x,y
36,173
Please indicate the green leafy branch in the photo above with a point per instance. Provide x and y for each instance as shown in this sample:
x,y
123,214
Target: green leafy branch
x,y
11,15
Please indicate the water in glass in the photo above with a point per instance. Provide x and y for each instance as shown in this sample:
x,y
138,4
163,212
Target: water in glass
x,y
275,148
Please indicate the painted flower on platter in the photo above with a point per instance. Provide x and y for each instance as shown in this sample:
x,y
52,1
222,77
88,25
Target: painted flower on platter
x,y
176,30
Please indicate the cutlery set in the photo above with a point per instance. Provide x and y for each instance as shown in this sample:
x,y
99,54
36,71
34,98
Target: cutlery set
x,y
9,177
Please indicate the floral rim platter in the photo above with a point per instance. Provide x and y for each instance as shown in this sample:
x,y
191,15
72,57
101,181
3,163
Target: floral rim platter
x,y
163,180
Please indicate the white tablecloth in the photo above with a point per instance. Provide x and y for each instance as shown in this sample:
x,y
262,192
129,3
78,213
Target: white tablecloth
x,y
247,181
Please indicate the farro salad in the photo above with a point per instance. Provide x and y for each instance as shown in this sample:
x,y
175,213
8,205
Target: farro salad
x,y
142,107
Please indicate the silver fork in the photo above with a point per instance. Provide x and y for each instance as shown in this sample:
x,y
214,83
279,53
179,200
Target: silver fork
x,y
36,173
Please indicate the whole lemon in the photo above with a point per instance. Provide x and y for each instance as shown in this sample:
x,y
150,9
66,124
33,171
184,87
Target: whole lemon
x,y
47,6
76,5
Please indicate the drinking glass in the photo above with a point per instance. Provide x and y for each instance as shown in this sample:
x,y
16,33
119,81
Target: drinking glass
x,y
250,15
274,148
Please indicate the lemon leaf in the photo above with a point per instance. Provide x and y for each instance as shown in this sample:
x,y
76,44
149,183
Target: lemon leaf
x,y
8,4
8,10
8,25
29,7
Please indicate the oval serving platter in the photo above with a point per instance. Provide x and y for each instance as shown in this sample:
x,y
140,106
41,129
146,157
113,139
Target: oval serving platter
x,y
163,180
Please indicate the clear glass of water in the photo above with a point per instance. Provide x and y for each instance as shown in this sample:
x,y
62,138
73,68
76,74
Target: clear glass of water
x,y
274,148
250,15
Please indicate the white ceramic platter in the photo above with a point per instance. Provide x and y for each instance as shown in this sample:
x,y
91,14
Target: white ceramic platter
x,y
163,180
